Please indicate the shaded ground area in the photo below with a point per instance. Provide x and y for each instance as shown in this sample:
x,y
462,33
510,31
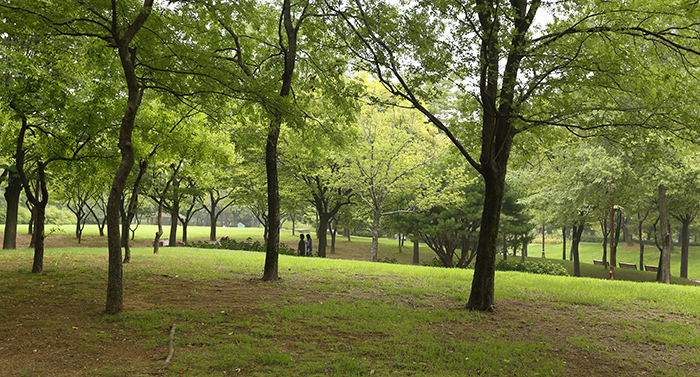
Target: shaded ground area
x,y
53,325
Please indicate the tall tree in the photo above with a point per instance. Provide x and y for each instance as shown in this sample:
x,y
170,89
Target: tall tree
x,y
518,68
392,148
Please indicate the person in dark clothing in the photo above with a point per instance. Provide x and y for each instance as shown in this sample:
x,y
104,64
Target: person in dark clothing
x,y
302,245
309,247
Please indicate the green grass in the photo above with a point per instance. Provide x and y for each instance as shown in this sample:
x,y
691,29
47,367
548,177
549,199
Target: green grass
x,y
350,318
589,251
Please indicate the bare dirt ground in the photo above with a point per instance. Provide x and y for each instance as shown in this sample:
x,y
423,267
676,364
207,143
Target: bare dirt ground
x,y
60,330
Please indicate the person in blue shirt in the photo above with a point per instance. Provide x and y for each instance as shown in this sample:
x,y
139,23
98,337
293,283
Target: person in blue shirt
x,y
309,246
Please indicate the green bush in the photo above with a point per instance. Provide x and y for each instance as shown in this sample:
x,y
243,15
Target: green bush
x,y
542,268
248,245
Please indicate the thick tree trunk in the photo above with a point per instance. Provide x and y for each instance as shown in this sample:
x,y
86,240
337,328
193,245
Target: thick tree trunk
x,y
577,231
12,193
38,265
323,222
663,274
212,218
271,271
482,292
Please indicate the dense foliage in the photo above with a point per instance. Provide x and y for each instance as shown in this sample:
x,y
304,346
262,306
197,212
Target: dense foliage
x,y
543,268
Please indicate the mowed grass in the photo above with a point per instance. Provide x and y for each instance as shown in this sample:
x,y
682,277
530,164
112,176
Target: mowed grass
x,y
333,317
358,248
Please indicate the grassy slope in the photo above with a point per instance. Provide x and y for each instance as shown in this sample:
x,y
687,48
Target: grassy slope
x,y
351,318
359,249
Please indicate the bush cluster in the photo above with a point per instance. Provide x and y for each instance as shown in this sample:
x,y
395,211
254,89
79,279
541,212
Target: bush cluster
x,y
543,268
248,245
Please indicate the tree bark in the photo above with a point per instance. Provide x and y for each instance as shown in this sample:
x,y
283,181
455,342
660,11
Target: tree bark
x,y
271,271
663,274
12,193
416,251
174,214
685,239
127,57
482,292
641,241
375,236
577,231
273,197
563,235
38,200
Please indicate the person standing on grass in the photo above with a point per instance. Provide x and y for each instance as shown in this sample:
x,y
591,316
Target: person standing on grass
x,y
301,248
309,247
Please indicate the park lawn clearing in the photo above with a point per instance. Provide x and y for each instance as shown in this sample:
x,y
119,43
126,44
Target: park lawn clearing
x,y
331,318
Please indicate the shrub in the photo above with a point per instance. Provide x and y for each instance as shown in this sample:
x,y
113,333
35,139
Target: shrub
x,y
543,268
248,245
387,260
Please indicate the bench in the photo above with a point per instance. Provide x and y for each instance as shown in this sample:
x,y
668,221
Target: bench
x,y
628,265
600,262
651,268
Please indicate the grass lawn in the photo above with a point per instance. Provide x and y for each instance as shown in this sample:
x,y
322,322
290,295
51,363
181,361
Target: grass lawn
x,y
331,317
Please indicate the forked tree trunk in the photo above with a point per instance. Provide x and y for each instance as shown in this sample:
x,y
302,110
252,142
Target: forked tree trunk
x,y
577,231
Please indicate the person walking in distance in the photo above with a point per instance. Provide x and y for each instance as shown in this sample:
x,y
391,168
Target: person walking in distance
x,y
309,246
301,248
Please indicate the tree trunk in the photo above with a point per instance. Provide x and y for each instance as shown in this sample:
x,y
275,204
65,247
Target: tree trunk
x,y
213,217
271,272
663,274
641,242
38,200
174,214
626,234
685,239
416,250
577,231
323,224
332,226
12,193
127,56
563,235
375,235
606,232
482,292
38,265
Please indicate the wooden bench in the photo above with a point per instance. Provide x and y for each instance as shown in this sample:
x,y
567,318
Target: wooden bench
x,y
651,268
600,262
628,265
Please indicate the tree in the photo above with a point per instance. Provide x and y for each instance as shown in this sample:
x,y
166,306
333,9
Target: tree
x,y
451,223
519,70
387,158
